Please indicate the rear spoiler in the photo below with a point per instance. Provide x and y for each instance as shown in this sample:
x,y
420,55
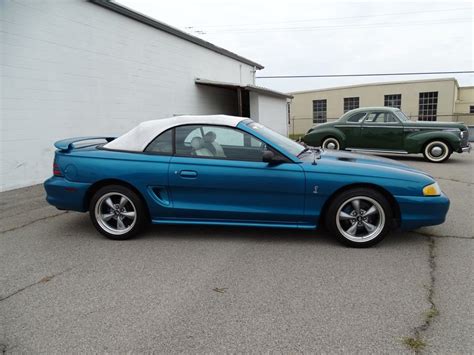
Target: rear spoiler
x,y
66,145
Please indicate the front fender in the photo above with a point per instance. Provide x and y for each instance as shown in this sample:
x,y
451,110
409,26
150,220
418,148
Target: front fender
x,y
414,142
316,137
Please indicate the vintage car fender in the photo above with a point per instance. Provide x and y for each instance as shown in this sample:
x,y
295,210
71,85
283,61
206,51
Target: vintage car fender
x,y
414,142
316,137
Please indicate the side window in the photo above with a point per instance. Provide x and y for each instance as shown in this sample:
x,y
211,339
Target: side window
x,y
163,144
381,117
197,132
217,142
356,118
224,135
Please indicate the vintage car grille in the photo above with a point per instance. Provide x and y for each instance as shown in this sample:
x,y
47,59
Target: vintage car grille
x,y
464,138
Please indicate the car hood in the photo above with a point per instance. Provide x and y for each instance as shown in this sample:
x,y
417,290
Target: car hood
x,y
336,161
436,125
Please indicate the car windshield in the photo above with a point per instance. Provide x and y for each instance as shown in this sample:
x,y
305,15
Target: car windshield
x,y
282,141
401,116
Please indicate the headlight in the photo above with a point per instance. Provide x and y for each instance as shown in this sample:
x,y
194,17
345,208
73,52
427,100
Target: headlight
x,y
432,190
463,133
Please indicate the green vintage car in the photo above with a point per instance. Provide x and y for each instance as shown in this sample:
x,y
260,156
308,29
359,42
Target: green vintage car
x,y
389,130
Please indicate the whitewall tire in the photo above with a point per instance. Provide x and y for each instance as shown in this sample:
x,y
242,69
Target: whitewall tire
x,y
437,151
331,143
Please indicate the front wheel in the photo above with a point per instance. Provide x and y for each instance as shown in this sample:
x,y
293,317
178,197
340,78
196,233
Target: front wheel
x,y
359,217
117,212
437,152
331,143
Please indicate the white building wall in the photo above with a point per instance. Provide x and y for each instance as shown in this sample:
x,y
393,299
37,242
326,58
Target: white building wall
x,y
254,111
73,68
273,113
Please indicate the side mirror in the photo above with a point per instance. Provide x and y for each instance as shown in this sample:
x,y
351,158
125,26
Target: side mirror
x,y
268,156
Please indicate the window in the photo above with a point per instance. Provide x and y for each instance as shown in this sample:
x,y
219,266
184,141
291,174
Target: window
x,y
356,118
163,144
217,142
286,143
350,103
319,111
427,106
380,117
393,100
471,109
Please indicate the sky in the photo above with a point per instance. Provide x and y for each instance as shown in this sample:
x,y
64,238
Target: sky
x,y
302,37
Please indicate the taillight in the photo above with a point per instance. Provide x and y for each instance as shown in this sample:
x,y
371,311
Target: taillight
x,y
56,170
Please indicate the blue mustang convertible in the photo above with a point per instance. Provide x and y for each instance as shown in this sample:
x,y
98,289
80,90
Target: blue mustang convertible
x,y
226,170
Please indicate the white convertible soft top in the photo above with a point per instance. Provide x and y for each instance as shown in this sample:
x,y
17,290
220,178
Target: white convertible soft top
x,y
138,138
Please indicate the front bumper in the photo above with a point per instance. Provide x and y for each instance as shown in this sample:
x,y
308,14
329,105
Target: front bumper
x,y
466,149
65,194
420,211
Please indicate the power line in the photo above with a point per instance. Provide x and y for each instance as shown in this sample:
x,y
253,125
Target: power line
x,y
326,18
364,74
353,26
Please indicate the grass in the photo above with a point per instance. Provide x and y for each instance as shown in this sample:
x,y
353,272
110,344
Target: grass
x,y
295,136
415,344
431,313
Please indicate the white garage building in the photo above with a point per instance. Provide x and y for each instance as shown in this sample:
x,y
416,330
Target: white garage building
x,y
78,67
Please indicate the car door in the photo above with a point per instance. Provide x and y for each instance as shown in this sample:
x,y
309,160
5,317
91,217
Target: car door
x,y
351,128
235,185
383,131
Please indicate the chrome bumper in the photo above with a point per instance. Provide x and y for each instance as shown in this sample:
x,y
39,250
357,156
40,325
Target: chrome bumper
x,y
466,149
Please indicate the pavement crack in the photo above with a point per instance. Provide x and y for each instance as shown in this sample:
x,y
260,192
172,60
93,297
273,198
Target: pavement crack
x,y
455,180
31,222
41,281
431,235
416,343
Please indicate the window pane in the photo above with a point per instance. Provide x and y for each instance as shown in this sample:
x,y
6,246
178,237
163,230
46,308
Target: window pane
x,y
358,117
163,144
350,103
393,100
217,142
319,111
427,106
224,135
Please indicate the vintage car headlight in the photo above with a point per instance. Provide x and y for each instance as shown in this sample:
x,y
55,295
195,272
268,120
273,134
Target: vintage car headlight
x,y
432,190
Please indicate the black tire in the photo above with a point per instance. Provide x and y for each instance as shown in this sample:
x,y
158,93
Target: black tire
x,y
443,147
331,143
100,209
341,227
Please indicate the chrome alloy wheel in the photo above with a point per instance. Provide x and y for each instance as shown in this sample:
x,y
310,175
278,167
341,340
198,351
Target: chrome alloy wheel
x,y
331,143
360,219
115,213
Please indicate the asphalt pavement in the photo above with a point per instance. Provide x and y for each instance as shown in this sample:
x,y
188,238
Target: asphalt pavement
x,y
66,289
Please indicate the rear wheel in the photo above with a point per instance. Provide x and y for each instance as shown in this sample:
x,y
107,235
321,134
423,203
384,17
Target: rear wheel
x,y
331,143
437,151
117,212
359,217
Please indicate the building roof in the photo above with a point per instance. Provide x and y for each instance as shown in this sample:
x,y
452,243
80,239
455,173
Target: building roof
x,y
123,10
377,84
254,88
138,138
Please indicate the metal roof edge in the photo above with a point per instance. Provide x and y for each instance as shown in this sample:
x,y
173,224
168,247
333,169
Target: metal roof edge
x,y
384,83
254,88
125,11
